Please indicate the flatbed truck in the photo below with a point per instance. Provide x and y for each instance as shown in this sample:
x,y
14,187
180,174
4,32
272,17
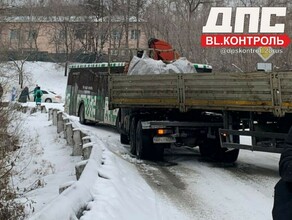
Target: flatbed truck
x,y
209,110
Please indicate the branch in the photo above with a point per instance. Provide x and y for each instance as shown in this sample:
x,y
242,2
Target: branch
x,y
7,172
196,6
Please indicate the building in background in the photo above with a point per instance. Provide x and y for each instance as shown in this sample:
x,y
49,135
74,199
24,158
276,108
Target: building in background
x,y
70,34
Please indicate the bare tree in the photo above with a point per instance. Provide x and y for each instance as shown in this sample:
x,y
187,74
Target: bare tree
x,y
178,22
98,31
19,66
64,37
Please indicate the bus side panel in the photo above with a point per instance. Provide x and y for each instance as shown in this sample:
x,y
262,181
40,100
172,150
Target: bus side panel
x,y
110,116
99,107
99,87
89,103
70,100
87,94
104,114
89,87
71,92
73,99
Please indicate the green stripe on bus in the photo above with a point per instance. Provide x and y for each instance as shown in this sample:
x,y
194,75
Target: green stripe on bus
x,y
91,65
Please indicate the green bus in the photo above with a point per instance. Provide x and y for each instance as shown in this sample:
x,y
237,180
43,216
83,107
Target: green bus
x,y
87,90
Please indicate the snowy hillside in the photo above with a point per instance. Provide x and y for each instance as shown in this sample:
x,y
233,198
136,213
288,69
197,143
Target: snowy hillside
x,y
47,75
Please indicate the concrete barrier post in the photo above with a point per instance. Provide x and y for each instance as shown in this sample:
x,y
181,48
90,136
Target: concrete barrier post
x,y
17,106
33,110
79,167
60,122
86,150
86,139
66,120
55,111
43,109
69,134
77,146
50,115
65,186
24,109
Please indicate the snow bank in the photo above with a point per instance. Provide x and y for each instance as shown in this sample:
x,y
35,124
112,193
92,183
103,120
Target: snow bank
x,y
105,183
73,200
146,65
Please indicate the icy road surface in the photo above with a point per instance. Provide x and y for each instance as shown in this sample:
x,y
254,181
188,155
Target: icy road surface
x,y
192,188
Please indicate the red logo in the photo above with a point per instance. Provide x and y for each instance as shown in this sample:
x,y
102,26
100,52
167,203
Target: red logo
x,y
245,40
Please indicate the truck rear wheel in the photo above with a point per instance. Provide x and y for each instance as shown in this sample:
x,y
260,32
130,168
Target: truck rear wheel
x,y
133,127
211,148
229,156
159,151
124,139
143,143
118,122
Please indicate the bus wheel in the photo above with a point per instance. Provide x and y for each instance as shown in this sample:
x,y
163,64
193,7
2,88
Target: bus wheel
x,y
133,126
143,142
81,115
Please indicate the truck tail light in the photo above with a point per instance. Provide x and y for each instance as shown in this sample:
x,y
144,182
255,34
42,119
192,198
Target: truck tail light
x,y
164,131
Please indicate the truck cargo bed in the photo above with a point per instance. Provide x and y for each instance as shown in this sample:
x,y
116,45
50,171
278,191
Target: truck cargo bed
x,y
258,91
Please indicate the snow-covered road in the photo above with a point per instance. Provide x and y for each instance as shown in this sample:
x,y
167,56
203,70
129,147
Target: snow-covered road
x,y
199,189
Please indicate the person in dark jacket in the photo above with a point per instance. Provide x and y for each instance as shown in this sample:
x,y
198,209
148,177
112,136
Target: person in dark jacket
x,y
282,209
24,95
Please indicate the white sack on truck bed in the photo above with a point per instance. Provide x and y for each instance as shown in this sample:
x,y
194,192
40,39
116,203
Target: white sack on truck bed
x,y
146,65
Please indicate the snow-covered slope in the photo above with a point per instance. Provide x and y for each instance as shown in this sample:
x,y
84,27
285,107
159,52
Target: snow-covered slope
x,y
47,75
